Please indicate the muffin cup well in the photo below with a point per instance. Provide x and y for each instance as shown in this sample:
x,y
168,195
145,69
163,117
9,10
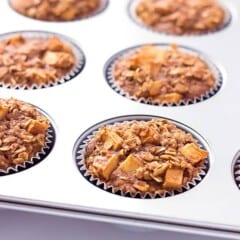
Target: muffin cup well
x,y
103,5
84,139
109,76
132,14
77,51
40,156
236,169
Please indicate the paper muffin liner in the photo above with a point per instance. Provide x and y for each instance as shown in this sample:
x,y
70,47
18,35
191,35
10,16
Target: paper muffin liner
x,y
40,156
77,51
109,76
132,14
84,139
236,169
103,5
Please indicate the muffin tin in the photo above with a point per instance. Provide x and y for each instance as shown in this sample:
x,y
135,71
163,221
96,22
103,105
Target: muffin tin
x,y
55,185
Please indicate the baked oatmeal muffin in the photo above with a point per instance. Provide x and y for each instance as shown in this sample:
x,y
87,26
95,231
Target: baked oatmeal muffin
x,y
23,132
181,17
37,61
56,10
163,75
152,156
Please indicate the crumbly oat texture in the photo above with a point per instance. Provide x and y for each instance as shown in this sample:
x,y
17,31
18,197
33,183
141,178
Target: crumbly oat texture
x,y
144,156
181,16
22,132
56,10
163,75
26,62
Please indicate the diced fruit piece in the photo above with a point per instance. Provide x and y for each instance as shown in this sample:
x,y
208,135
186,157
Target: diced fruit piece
x,y
15,40
141,186
105,166
61,7
154,87
151,53
130,164
51,58
69,14
173,178
109,166
181,88
113,140
171,98
193,153
3,112
58,59
36,127
54,44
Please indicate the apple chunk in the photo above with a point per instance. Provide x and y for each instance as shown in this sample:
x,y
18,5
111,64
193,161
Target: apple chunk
x,y
193,153
130,164
173,178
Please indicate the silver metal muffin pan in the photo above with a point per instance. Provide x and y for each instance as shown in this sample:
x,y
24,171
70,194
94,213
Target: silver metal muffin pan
x,y
55,185
236,169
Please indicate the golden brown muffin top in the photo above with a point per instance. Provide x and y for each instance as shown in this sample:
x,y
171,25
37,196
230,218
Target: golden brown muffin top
x,y
23,132
56,10
26,62
163,75
181,17
144,156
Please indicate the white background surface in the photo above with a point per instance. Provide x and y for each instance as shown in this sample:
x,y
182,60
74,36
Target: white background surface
x,y
29,226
